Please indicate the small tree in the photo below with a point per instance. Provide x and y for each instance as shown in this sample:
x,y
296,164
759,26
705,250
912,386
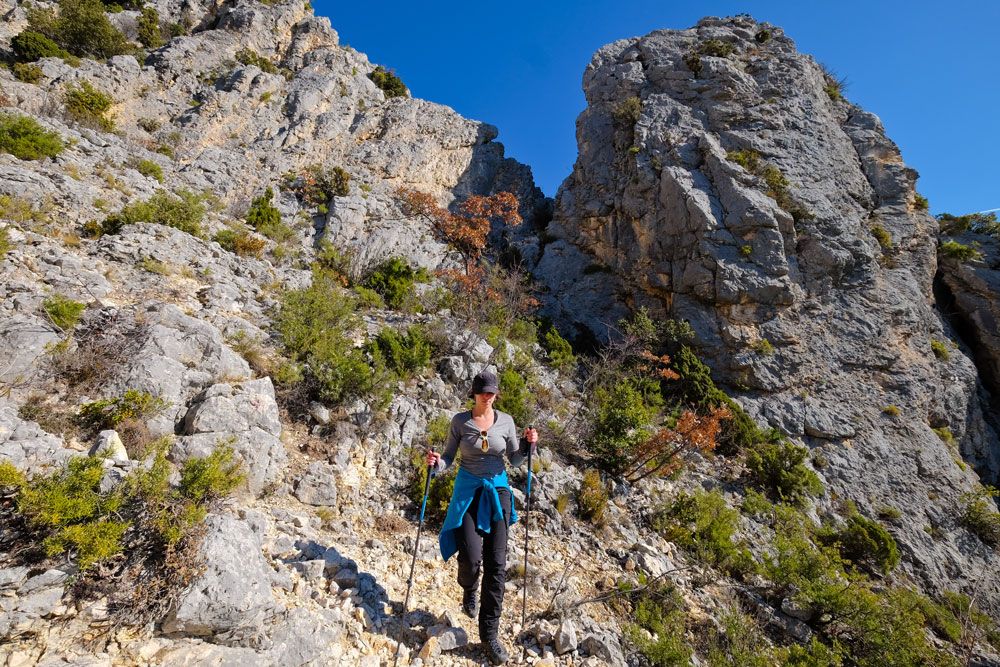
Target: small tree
x,y
149,30
262,214
465,231
84,29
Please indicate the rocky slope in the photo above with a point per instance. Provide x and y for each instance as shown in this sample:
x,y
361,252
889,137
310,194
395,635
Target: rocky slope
x,y
308,563
722,179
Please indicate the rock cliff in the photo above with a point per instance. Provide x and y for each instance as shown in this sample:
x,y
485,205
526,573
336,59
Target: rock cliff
x,y
724,180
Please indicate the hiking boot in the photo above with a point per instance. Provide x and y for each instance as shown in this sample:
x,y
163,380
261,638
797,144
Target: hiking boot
x,y
470,602
495,651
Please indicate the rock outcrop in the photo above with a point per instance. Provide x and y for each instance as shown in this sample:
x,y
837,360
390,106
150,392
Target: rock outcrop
x,y
723,180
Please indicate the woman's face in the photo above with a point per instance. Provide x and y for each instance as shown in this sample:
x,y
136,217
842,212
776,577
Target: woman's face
x,y
485,400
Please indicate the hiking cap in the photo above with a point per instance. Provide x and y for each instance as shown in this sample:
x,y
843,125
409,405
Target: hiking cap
x,y
484,383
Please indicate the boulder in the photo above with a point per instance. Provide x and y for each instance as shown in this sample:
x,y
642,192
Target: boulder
x,y
317,486
244,416
110,446
230,601
178,356
565,639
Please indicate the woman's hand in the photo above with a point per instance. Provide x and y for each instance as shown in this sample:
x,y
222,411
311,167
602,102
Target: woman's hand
x,y
433,458
531,435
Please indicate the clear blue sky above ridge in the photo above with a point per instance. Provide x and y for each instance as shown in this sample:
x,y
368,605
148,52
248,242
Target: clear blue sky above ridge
x,y
927,69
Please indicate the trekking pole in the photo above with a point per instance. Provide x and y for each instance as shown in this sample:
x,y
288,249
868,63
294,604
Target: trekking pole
x,y
524,602
416,548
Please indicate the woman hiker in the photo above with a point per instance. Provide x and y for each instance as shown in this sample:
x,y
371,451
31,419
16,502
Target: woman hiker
x,y
480,511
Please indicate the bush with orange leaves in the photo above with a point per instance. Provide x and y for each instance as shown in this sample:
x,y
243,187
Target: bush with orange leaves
x,y
665,451
465,231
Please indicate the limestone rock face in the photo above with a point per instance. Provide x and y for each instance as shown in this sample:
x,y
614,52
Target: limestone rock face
x,y
232,597
245,416
971,292
740,192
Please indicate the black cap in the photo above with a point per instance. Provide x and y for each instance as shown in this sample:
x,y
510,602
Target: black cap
x,y
484,383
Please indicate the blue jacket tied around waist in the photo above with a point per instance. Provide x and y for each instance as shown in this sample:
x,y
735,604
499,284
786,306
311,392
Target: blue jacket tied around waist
x,y
466,485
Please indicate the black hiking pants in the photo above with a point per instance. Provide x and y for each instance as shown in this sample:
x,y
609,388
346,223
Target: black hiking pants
x,y
486,552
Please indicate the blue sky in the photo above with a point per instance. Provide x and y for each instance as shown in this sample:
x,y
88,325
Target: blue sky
x,y
927,69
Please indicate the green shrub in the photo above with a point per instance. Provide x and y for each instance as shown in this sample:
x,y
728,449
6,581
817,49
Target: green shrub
x,y
748,159
70,513
963,253
592,497
865,543
10,477
5,244
558,350
64,312
716,48
833,86
241,243
336,262
702,523
394,280
514,398
621,422
939,617
110,412
83,28
889,513
27,72
628,111
940,349
25,139
883,237
262,214
250,57
73,513
920,202
149,31
150,169
659,611
30,46
88,105
314,324
154,265
743,643
814,575
888,630
214,476
388,82
710,47
368,298
891,411
962,607
182,210
980,223
779,469
763,347
980,516
405,354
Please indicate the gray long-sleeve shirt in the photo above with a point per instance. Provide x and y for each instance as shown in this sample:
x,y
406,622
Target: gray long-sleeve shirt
x,y
502,438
